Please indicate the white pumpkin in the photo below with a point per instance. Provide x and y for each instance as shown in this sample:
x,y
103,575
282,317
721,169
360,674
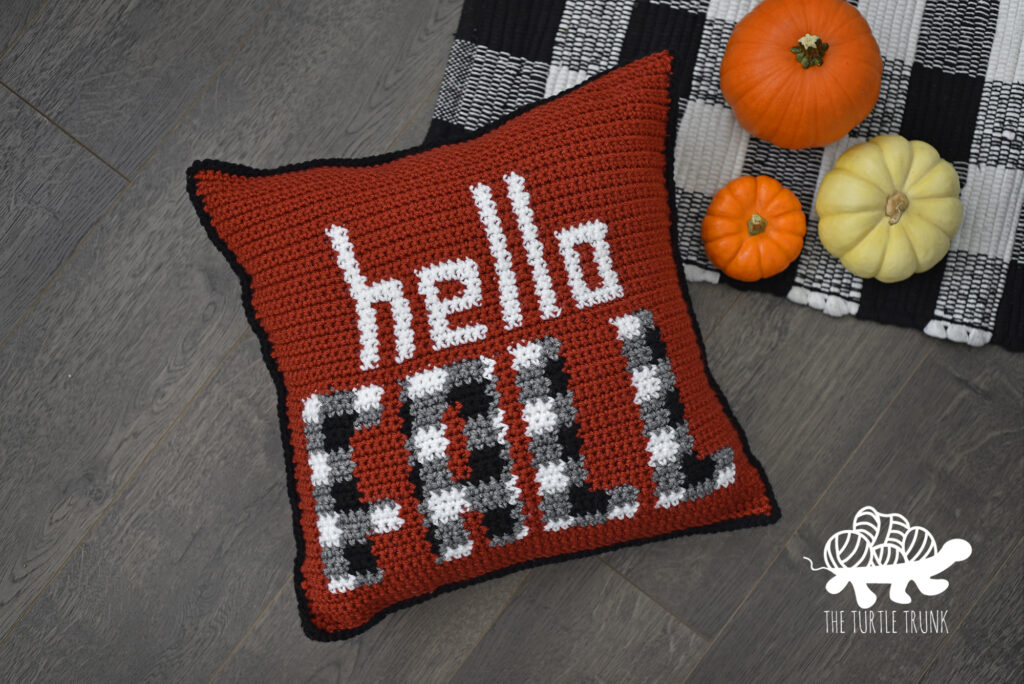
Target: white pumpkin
x,y
889,207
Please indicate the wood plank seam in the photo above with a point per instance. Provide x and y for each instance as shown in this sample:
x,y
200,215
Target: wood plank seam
x,y
654,600
131,180
497,616
277,594
782,546
721,317
64,130
939,649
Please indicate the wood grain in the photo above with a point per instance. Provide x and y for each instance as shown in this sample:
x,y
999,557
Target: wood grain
x,y
53,191
13,20
989,645
805,387
117,347
947,456
422,643
181,564
580,621
117,74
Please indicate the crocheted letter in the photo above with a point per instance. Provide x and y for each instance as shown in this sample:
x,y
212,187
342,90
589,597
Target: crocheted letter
x,y
344,523
466,273
679,475
365,297
592,234
567,499
470,386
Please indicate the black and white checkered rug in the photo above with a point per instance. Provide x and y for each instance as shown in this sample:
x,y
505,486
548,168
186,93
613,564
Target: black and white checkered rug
x,y
953,76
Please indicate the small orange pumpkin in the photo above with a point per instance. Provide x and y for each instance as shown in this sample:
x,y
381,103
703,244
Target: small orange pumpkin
x,y
801,73
754,228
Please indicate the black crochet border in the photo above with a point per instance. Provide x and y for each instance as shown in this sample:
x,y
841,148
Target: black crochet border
x,y
311,630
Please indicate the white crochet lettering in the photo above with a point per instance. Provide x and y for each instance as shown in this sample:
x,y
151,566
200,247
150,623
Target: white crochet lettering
x,y
590,233
466,273
508,291
365,296
520,199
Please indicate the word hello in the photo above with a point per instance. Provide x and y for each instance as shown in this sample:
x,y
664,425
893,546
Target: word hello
x,y
886,622
466,273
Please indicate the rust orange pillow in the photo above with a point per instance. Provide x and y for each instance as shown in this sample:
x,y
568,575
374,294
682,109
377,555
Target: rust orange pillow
x,y
484,353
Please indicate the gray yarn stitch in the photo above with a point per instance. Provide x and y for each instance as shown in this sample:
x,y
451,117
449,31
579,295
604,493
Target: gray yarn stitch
x,y
670,478
535,382
495,494
353,526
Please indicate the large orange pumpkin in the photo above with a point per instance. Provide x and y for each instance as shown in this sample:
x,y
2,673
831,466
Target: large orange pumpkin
x,y
801,73
754,228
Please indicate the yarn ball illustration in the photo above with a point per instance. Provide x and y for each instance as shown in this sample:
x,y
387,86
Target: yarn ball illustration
x,y
848,549
887,554
878,540
895,528
919,543
868,521
881,528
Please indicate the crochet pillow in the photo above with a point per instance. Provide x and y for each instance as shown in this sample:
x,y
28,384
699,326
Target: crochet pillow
x,y
484,354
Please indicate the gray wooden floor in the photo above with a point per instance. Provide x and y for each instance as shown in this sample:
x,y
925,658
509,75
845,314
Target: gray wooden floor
x,y
145,529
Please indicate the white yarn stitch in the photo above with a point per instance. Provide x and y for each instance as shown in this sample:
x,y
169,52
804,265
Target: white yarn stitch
x,y
431,444
647,383
560,524
627,327
327,525
321,470
465,272
624,511
726,476
368,398
593,234
339,585
671,499
514,493
508,291
426,383
520,199
500,428
539,416
458,551
365,296
384,517
311,410
663,447
446,505
551,477
526,355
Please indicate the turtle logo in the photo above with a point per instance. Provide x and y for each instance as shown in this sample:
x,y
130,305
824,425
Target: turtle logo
x,y
883,548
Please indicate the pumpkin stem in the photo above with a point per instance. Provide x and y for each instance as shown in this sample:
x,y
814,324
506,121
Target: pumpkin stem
x,y
756,225
809,50
895,206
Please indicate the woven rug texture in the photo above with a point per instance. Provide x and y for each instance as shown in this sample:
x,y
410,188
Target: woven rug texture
x,y
953,76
